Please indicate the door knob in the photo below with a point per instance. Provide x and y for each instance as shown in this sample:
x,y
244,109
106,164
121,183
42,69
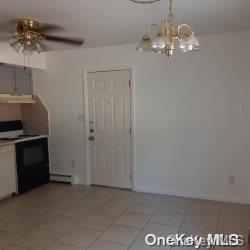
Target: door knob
x,y
91,138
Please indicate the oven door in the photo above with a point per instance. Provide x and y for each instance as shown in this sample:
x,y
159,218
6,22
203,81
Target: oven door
x,y
31,155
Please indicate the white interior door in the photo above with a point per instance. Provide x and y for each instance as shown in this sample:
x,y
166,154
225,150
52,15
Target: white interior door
x,y
110,128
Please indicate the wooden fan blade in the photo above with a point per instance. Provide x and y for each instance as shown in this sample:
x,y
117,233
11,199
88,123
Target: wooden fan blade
x,y
6,36
44,47
44,27
68,40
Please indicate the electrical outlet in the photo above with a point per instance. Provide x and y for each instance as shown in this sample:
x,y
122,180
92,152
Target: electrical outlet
x,y
231,179
73,164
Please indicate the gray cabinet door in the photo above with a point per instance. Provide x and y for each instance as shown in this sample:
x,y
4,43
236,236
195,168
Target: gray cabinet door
x,y
7,80
24,84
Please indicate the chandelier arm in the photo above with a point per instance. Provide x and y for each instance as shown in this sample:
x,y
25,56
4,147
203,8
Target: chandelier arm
x,y
182,26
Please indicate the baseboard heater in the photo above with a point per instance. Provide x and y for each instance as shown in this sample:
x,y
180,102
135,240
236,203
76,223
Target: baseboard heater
x,y
61,178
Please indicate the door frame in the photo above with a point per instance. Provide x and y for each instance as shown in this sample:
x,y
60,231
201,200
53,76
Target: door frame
x,y
85,73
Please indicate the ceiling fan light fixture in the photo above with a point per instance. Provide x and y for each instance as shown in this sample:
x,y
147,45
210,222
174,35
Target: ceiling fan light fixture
x,y
29,34
28,47
38,48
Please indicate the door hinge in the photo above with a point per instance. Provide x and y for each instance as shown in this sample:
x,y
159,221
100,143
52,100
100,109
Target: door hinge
x,y
129,83
130,130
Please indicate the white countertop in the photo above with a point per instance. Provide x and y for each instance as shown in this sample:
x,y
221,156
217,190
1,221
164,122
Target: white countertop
x,y
11,142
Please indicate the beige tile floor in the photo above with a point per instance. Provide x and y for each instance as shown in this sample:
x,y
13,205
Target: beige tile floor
x,y
64,217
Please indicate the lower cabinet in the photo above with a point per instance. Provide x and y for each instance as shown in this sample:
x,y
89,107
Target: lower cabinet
x,y
7,171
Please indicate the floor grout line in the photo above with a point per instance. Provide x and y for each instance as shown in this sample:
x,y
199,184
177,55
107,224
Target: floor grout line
x,y
92,212
39,196
145,225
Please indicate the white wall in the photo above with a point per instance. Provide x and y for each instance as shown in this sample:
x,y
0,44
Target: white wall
x,y
9,56
192,115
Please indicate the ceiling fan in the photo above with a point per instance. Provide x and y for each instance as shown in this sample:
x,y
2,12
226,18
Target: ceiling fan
x,y
30,36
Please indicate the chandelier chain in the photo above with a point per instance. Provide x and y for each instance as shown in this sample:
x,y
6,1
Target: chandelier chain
x,y
170,15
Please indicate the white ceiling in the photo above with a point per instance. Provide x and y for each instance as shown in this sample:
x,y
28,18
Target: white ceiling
x,y
112,22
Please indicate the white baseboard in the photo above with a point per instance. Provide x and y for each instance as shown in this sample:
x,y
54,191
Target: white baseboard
x,y
192,195
60,178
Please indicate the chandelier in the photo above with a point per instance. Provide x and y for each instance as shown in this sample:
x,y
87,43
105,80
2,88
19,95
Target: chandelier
x,y
166,36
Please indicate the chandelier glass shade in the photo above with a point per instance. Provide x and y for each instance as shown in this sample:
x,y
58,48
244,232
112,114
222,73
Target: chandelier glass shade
x,y
167,34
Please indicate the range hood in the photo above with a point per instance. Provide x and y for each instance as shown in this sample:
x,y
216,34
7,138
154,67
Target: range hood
x,y
16,99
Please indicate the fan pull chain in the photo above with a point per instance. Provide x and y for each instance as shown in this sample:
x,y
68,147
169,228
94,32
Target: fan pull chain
x,y
28,64
26,61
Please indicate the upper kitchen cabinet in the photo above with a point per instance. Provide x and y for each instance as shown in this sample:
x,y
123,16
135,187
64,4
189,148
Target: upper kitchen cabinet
x,y
7,80
15,80
23,79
